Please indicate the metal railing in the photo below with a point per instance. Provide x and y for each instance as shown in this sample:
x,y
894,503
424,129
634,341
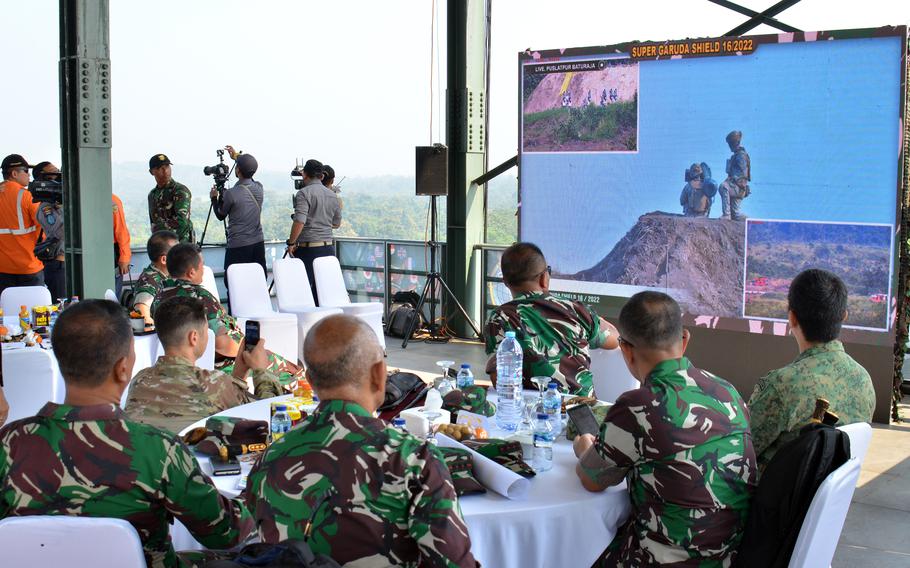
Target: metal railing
x,y
375,269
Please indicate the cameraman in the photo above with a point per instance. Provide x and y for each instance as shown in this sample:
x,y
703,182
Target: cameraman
x,y
18,227
50,249
317,211
242,206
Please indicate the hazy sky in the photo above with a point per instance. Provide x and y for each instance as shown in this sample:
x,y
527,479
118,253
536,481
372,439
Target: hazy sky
x,y
345,81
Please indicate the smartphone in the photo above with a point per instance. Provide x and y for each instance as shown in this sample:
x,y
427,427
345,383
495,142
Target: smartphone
x,y
251,334
584,420
225,467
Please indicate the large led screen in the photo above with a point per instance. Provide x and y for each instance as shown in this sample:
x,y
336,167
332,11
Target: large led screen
x,y
716,170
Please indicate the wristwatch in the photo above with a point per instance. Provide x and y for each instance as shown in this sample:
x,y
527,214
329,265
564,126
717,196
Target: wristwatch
x,y
290,243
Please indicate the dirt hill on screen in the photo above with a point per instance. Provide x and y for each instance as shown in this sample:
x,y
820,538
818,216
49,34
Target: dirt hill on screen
x,y
699,261
549,91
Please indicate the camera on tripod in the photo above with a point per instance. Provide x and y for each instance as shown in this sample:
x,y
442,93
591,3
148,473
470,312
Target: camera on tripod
x,y
219,171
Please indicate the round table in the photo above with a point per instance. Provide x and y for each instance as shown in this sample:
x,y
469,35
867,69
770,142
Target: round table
x,y
558,523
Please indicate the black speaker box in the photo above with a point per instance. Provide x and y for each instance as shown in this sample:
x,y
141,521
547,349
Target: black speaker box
x,y
432,170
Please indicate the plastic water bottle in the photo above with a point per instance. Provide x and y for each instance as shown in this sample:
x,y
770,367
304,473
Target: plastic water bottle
x,y
508,383
281,423
552,406
399,424
543,443
465,377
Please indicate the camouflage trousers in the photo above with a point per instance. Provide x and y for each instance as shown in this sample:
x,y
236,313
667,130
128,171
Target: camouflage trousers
x,y
288,373
730,199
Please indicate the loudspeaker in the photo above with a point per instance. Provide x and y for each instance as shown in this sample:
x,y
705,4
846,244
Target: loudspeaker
x,y
432,170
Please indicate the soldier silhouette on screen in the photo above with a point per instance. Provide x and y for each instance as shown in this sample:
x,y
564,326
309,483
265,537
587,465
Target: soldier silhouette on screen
x,y
739,173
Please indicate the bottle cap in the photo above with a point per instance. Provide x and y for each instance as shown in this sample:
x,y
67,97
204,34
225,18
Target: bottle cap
x,y
553,385
398,421
281,408
465,366
542,416
510,334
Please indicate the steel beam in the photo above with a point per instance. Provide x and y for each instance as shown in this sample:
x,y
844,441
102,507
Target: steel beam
x,y
85,142
468,33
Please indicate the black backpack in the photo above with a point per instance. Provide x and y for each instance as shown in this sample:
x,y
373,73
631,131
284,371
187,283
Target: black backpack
x,y
403,314
291,553
785,492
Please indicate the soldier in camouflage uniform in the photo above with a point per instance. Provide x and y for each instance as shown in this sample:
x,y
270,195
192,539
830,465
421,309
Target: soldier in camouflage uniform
x,y
681,442
377,496
169,201
174,393
783,400
185,266
739,173
153,276
83,458
555,334
698,193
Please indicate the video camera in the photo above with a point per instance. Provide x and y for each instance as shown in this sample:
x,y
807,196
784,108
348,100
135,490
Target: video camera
x,y
297,176
47,190
220,171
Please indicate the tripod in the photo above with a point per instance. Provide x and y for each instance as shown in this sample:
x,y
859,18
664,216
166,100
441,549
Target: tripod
x,y
434,279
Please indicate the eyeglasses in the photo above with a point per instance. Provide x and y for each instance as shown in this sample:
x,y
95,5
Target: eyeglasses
x,y
548,270
624,342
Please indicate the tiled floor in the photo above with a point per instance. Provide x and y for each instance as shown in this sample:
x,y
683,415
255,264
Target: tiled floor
x,y
877,531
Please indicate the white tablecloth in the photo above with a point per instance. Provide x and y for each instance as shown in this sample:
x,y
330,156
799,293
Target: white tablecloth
x,y
558,524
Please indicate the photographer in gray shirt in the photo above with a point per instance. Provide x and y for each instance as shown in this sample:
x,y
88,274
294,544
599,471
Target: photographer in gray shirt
x,y
317,210
242,206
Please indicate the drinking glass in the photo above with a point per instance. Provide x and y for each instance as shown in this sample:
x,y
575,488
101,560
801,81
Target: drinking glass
x,y
432,415
445,366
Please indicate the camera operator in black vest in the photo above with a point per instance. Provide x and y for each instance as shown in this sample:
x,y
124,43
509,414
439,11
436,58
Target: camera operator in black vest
x,y
317,211
241,205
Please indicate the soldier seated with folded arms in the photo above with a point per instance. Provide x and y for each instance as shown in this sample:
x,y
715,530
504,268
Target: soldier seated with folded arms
x,y
84,458
379,497
174,392
555,334
149,282
682,443
784,399
185,266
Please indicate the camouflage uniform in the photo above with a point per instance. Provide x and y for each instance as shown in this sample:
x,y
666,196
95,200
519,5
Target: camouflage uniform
x,y
89,461
736,187
169,209
682,441
222,322
148,285
783,400
174,393
392,501
555,335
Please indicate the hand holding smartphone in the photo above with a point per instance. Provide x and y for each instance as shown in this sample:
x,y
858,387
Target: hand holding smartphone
x,y
584,420
251,335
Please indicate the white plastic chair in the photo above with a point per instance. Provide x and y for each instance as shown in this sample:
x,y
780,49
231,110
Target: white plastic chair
x,y
209,282
249,297
334,294
294,296
31,379
15,297
860,435
824,521
70,541
611,376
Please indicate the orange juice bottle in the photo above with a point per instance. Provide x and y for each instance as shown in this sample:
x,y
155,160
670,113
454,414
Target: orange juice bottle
x,y
24,319
304,391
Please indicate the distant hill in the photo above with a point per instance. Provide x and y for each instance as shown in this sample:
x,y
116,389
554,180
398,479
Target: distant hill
x,y
699,260
374,206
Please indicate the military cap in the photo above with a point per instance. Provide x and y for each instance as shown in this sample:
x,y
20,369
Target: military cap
x,y
461,469
14,161
472,398
735,135
507,453
159,160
